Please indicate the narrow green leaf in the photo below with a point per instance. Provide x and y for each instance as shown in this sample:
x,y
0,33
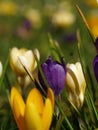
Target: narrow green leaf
x,y
4,72
86,24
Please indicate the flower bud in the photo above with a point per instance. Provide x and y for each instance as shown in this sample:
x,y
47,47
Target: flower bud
x,y
75,84
54,73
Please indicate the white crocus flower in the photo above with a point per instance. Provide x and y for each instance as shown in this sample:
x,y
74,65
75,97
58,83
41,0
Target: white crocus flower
x,y
27,58
1,69
76,84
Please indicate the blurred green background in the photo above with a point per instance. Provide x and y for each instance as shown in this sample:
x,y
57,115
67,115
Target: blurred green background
x,y
20,26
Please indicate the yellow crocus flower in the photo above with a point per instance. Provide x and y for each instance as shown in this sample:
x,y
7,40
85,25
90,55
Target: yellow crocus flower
x,y
35,114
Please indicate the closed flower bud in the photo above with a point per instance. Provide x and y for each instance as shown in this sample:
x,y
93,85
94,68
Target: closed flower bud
x,y
26,57
54,73
75,84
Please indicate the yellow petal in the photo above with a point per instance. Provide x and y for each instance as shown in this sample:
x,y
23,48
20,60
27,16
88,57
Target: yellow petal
x,y
36,98
47,115
50,95
32,117
18,107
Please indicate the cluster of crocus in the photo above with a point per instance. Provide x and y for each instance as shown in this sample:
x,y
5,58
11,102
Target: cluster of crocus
x,y
57,75
76,84
35,114
27,59
54,73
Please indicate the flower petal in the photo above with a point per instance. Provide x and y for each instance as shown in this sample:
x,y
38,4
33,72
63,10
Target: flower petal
x,y
18,107
36,98
70,82
32,117
95,66
36,52
47,115
15,64
81,79
71,69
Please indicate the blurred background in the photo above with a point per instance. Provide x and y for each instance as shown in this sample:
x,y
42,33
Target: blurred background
x,y
27,24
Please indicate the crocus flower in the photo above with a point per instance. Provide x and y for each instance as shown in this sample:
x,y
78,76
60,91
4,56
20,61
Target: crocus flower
x,y
54,73
76,84
26,57
1,69
35,114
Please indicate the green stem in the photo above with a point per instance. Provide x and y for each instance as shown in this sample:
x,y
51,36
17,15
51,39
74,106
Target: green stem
x,y
66,119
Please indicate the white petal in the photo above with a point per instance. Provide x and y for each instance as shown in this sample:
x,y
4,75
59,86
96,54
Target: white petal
x,y
71,68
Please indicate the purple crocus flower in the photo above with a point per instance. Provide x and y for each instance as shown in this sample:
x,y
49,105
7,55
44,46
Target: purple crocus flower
x,y
55,75
95,66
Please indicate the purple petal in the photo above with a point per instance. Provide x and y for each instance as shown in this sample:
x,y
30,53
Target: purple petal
x,y
95,66
58,78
